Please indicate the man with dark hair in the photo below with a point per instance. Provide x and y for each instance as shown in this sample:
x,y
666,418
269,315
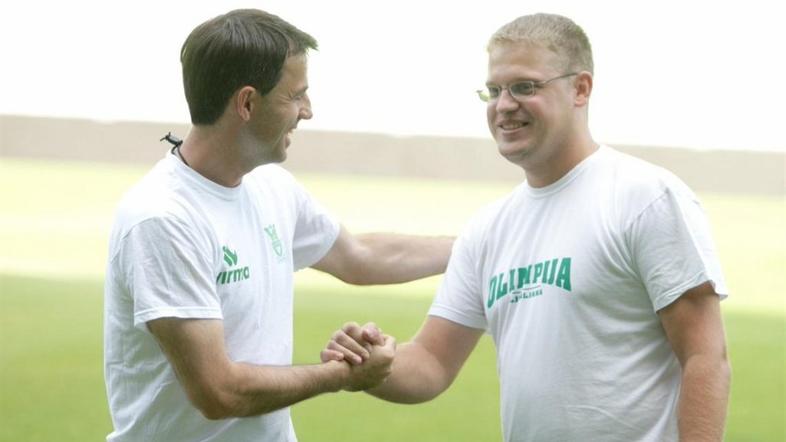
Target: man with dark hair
x,y
198,296
597,277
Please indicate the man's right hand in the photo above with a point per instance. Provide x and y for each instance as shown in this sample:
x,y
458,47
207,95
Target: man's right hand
x,y
366,349
352,343
374,369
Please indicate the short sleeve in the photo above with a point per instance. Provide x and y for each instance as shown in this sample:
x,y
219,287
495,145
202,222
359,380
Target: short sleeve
x,y
167,271
315,230
672,248
459,297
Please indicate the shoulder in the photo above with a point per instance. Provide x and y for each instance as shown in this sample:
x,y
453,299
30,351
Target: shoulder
x,y
490,214
161,196
639,174
636,183
150,196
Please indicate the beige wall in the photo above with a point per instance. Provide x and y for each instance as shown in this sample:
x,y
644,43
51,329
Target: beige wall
x,y
376,154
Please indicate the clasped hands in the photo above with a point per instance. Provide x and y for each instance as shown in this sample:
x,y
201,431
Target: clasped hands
x,y
367,352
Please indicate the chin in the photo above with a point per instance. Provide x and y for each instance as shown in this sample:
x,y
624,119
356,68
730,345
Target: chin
x,y
514,150
520,156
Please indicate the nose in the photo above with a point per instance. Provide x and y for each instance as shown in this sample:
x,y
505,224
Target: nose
x,y
506,102
305,110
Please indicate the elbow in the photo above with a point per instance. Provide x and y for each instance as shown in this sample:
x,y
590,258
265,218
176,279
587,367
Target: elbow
x,y
214,414
355,279
724,364
726,368
214,410
408,395
213,404
355,274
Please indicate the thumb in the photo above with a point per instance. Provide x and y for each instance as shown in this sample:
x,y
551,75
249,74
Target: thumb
x,y
390,342
373,335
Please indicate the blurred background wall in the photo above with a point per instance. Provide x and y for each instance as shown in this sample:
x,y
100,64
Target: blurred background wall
x,y
724,171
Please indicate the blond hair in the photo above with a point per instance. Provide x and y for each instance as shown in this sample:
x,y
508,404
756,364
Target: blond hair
x,y
553,32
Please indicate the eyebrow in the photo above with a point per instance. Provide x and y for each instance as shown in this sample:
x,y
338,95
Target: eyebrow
x,y
518,80
301,91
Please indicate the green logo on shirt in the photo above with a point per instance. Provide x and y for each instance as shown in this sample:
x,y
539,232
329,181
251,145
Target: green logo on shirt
x,y
232,275
230,256
527,282
278,247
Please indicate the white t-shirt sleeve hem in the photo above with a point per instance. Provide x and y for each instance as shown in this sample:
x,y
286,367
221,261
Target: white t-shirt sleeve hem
x,y
456,316
324,248
145,316
700,278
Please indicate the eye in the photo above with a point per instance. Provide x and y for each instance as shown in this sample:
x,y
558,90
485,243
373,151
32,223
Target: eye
x,y
523,88
493,91
299,96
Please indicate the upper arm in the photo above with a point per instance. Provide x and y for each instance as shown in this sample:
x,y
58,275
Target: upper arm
x,y
385,258
344,257
693,324
672,249
196,350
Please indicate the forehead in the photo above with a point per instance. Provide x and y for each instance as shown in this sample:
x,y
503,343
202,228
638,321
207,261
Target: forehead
x,y
294,73
514,61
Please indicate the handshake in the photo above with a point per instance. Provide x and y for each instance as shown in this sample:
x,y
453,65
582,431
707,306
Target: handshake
x,y
365,353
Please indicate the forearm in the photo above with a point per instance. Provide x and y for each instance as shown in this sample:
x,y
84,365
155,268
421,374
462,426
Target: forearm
x,y
704,396
249,390
394,258
416,377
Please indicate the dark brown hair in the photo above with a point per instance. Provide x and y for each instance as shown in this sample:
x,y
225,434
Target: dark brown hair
x,y
244,47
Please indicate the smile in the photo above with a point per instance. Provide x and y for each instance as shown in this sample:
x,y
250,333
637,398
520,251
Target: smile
x,y
509,126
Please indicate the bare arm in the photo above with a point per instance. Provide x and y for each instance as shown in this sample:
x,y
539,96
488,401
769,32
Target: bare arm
x,y
385,258
422,368
221,388
694,327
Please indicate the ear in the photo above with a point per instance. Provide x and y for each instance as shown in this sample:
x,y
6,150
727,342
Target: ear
x,y
583,88
244,102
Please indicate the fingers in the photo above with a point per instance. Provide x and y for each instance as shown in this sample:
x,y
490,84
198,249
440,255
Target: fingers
x,y
372,334
352,351
376,368
352,329
365,336
389,343
353,343
331,355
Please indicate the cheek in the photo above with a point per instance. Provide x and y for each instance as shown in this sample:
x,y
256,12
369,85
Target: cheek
x,y
491,116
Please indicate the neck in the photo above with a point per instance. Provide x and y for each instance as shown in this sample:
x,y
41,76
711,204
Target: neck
x,y
560,160
212,152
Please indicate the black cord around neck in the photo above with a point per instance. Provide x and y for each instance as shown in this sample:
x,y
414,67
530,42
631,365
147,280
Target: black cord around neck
x,y
176,143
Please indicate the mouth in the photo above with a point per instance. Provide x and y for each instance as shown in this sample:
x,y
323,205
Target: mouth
x,y
512,126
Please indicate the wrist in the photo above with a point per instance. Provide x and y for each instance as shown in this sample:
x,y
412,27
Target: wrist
x,y
338,375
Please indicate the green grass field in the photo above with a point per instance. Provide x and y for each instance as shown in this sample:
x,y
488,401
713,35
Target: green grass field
x,y
53,232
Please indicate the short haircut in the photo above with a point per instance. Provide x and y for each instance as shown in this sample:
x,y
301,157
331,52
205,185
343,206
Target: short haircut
x,y
244,47
553,32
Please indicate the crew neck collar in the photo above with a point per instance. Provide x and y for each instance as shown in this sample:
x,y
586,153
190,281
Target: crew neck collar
x,y
565,180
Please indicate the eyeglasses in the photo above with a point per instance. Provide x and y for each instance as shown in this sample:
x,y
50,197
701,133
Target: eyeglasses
x,y
519,90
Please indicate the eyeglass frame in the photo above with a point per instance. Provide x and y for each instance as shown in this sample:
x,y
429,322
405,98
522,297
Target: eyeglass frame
x,y
535,85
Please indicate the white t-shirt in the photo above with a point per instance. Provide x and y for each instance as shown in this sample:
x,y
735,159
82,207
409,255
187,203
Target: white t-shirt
x,y
567,279
183,246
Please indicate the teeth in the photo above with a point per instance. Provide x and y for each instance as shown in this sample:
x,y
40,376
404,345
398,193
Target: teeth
x,y
512,126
